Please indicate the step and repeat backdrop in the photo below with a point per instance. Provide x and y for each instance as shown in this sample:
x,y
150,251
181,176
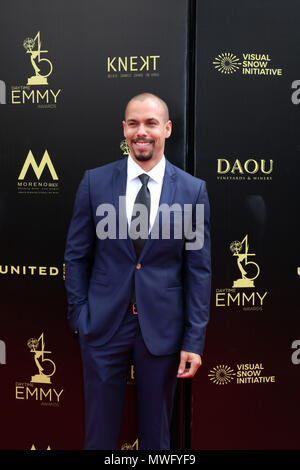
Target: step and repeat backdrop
x,y
67,70
247,148
230,74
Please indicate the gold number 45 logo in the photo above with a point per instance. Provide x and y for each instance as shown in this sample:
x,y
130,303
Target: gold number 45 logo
x,y
33,47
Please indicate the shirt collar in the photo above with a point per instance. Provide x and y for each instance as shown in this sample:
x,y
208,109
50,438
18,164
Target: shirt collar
x,y
156,173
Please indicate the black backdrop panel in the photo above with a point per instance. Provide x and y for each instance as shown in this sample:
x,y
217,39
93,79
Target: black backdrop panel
x,y
56,122
247,149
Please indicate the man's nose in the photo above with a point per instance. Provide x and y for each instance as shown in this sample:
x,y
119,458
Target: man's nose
x,y
141,130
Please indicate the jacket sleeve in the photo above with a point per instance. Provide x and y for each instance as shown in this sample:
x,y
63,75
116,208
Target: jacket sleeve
x,y
197,279
79,252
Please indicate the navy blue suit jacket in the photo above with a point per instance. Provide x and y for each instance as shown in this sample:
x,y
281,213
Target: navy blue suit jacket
x,y
172,285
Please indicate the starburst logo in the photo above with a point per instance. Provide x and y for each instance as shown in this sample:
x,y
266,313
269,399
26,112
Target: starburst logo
x,y
227,63
221,375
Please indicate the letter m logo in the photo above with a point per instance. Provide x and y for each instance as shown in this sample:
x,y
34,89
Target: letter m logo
x,y
2,92
38,169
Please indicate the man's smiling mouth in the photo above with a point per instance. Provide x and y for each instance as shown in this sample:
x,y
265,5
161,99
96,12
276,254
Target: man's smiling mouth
x,y
142,143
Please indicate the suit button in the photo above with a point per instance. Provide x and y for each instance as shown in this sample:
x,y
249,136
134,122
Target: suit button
x,y
138,266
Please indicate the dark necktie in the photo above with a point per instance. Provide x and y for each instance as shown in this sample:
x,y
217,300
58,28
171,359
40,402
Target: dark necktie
x,y
143,197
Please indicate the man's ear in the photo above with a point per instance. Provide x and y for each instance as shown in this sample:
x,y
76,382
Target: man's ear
x,y
124,127
168,129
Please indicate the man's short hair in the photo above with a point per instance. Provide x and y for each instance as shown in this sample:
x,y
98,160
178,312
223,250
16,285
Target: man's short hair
x,y
146,95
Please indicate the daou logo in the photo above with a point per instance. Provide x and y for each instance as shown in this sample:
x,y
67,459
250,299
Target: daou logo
x,y
250,166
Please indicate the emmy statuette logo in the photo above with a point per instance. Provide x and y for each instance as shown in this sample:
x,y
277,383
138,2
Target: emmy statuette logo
x,y
46,367
36,90
124,147
134,446
238,294
33,47
34,448
240,250
38,389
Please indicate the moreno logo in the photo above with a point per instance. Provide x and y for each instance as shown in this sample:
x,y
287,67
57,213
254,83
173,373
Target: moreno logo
x,y
38,169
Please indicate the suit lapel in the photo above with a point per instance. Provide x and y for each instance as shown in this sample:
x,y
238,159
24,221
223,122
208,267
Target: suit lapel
x,y
119,182
119,189
168,187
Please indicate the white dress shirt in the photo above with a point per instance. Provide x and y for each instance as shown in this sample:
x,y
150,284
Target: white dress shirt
x,y
134,184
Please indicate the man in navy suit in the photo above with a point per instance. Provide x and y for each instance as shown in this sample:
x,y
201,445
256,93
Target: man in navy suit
x,y
134,294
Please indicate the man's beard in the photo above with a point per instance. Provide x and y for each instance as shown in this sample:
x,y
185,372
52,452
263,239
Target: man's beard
x,y
143,158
